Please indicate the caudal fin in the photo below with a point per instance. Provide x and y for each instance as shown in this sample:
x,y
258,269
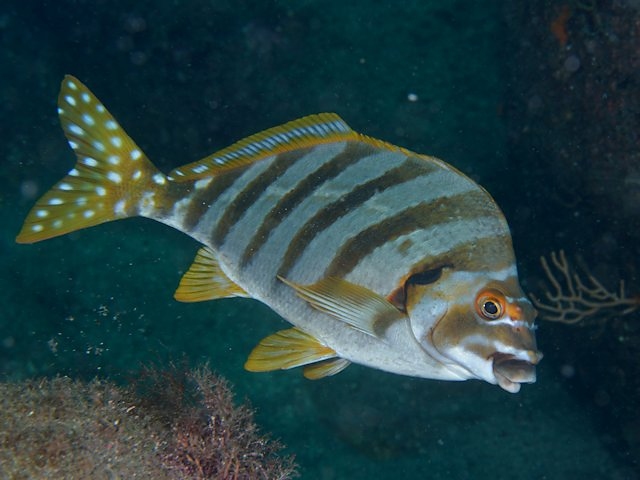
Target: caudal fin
x,y
112,178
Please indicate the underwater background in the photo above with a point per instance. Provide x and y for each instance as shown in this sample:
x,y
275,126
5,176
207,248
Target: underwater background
x,y
537,101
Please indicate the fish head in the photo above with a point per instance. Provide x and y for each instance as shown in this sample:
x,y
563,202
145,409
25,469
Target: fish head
x,y
477,326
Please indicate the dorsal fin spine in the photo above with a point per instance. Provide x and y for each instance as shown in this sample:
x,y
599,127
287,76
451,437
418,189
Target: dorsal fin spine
x,y
304,132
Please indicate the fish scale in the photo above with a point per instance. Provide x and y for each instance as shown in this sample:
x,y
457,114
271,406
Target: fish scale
x,y
377,255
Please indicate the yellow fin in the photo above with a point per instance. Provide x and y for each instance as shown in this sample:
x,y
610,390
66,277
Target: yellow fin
x,y
357,306
287,349
326,368
109,180
304,132
205,280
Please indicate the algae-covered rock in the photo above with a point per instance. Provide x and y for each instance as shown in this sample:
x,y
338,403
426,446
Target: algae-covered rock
x,y
175,424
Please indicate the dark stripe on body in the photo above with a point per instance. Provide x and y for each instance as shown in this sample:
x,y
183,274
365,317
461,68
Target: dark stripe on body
x,y
463,206
172,194
407,170
331,168
204,198
252,191
489,253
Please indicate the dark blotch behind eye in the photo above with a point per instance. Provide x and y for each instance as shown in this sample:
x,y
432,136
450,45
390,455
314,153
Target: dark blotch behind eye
x,y
399,296
425,278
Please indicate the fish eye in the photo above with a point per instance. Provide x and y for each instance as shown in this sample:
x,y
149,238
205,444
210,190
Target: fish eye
x,y
490,304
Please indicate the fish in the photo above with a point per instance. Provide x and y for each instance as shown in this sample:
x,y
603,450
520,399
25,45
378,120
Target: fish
x,y
375,255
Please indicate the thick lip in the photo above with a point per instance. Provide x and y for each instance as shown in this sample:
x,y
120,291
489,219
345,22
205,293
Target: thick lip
x,y
511,371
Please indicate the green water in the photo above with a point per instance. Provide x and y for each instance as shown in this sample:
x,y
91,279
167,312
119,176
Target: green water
x,y
187,78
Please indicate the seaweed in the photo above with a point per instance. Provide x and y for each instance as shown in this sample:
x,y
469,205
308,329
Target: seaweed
x,y
166,425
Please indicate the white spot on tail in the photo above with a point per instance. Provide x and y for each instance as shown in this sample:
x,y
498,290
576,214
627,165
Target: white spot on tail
x,y
114,159
116,142
147,205
74,172
90,162
88,213
37,228
135,154
159,179
100,108
99,146
101,191
86,98
72,85
120,208
57,223
70,100
65,186
42,213
115,177
111,125
56,201
136,175
88,119
73,145
73,128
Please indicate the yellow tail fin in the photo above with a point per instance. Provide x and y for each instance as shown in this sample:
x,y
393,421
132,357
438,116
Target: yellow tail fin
x,y
112,178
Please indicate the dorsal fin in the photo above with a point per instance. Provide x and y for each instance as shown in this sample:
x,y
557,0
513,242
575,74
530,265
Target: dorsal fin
x,y
304,132
205,280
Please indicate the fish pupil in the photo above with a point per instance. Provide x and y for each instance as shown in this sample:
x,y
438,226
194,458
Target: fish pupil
x,y
490,307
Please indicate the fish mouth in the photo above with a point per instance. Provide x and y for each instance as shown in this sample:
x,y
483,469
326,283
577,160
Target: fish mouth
x,y
511,371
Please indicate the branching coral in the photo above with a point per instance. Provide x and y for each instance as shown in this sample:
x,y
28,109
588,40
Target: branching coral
x,y
575,296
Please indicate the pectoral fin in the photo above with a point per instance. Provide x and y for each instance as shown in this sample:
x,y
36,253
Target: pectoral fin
x,y
205,280
357,306
287,349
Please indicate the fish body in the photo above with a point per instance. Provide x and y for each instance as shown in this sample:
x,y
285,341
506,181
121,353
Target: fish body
x,y
377,255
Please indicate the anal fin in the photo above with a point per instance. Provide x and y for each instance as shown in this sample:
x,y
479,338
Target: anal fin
x,y
325,368
286,349
205,280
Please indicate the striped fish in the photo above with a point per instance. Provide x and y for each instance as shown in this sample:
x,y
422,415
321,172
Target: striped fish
x,y
376,255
